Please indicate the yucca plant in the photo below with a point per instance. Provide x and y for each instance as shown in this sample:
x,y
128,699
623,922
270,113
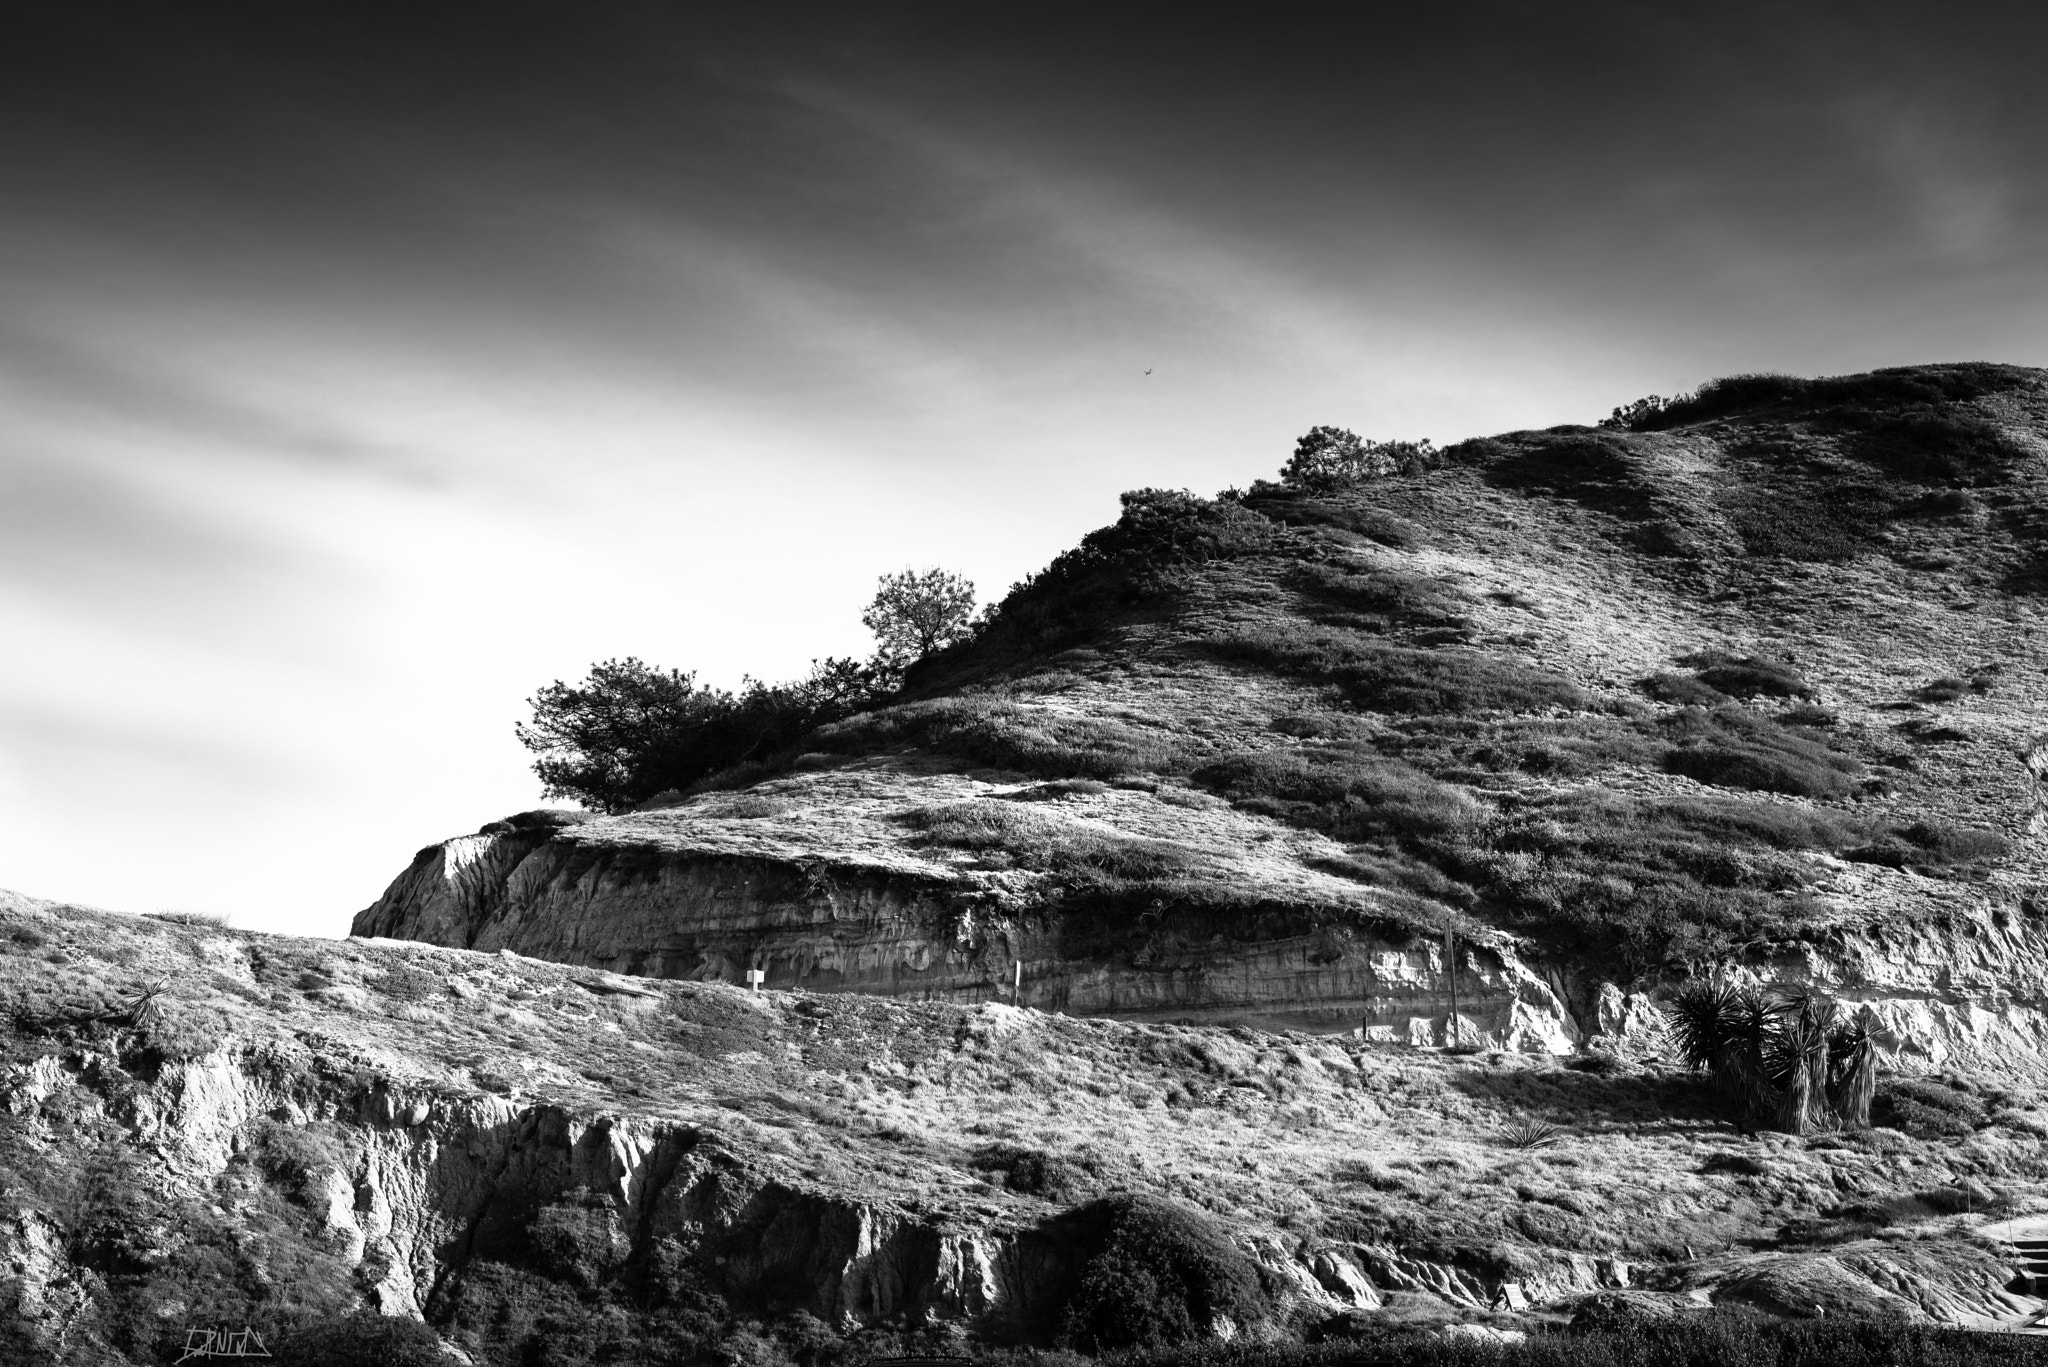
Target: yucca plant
x,y
143,1011
1527,1132
1852,1067
1785,1056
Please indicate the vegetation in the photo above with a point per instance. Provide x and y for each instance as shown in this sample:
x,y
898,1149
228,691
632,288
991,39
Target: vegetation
x,y
1733,748
1327,459
1721,1337
632,731
915,613
1786,1058
1153,1272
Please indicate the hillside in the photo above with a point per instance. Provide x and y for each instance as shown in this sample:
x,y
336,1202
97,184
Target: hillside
x,y
1748,685
558,1165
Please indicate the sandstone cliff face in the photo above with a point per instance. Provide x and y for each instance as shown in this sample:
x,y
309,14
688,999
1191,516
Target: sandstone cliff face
x,y
641,895
634,896
451,1134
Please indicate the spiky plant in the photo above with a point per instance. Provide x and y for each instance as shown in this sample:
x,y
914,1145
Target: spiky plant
x,y
1795,1057
1527,1132
1852,1068
143,1011
1721,1030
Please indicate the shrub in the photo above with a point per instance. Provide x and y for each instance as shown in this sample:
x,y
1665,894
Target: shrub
x,y
1682,689
1326,459
1732,748
1354,794
1927,445
1945,689
1034,1172
631,731
1347,512
1746,676
1632,886
1595,470
1927,1108
1153,1273
1388,678
1382,599
364,1339
1928,847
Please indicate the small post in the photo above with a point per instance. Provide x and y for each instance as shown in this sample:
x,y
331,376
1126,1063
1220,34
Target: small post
x,y
1017,985
1451,962
755,977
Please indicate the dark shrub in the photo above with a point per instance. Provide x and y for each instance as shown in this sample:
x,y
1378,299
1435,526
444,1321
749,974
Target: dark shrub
x,y
1735,1164
1346,512
1931,446
1153,1273
1931,848
1595,470
1390,678
1926,1108
365,1339
1683,689
1034,1172
1357,794
1807,715
1746,676
1731,748
1945,689
1382,599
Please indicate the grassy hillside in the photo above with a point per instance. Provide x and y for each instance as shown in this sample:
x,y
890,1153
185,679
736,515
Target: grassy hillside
x,y
1638,694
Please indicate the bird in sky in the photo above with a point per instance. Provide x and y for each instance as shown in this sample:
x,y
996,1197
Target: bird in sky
x,y
1148,370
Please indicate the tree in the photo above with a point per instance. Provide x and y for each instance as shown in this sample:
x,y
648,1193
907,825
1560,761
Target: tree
x,y
915,613
1327,459
631,731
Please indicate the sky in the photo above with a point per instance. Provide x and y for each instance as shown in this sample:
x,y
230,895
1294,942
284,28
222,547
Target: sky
x,y
366,367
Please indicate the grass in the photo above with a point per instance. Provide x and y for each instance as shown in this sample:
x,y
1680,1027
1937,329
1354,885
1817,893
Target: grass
x,y
1348,512
993,730
1599,470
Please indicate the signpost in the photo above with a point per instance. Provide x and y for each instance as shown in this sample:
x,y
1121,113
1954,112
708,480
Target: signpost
x,y
1017,988
755,977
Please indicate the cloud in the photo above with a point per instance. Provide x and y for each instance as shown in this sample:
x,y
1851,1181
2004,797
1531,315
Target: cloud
x,y
161,398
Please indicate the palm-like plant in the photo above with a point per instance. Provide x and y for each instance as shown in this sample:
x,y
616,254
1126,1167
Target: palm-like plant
x,y
1785,1056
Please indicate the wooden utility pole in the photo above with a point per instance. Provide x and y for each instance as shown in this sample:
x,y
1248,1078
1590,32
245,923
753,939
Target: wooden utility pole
x,y
1451,962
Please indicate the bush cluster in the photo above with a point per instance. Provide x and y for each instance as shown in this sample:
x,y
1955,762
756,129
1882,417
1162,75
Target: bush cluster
x,y
1893,388
1328,459
1151,1273
631,731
